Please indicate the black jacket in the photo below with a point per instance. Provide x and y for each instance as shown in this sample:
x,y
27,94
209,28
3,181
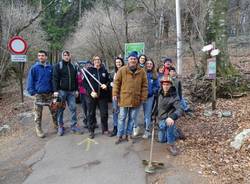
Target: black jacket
x,y
177,84
64,76
169,105
102,76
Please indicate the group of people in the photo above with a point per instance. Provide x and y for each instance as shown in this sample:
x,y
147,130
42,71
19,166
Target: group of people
x,y
134,86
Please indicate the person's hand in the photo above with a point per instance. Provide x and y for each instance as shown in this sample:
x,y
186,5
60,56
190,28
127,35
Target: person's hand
x,y
103,86
170,121
77,94
115,98
56,94
93,94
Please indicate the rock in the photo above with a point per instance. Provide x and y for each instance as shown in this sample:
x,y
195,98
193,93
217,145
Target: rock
x,y
26,117
208,113
4,128
227,114
240,138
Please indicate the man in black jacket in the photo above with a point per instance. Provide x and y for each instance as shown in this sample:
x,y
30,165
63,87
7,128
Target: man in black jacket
x,y
65,85
169,111
98,96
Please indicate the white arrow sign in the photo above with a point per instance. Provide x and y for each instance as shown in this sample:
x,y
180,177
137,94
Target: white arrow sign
x,y
207,48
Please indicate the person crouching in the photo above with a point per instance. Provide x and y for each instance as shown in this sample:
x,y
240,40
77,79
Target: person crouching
x,y
169,111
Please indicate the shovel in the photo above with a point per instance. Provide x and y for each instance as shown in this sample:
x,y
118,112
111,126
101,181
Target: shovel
x,y
151,166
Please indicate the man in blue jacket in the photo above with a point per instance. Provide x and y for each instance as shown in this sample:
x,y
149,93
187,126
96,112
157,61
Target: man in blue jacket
x,y
39,84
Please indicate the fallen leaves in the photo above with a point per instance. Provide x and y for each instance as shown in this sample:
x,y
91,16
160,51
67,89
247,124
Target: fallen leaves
x,y
209,140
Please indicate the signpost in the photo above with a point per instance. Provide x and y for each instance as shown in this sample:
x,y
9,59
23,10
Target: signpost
x,y
18,48
129,47
211,68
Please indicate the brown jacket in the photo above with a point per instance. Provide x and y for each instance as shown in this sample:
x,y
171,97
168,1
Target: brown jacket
x,y
130,88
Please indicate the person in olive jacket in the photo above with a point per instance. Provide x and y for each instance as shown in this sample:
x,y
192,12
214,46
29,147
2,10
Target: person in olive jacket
x,y
130,90
65,85
98,96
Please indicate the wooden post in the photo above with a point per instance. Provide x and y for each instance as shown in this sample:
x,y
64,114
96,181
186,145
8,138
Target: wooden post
x,y
214,86
214,94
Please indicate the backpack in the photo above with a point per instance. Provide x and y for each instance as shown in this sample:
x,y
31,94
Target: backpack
x,y
61,65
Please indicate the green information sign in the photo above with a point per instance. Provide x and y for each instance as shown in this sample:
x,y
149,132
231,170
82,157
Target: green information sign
x,y
129,47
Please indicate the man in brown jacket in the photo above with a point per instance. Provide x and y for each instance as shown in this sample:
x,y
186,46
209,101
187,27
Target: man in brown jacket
x,y
130,89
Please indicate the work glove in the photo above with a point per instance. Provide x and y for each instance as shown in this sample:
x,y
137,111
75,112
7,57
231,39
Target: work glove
x,y
76,93
56,94
93,94
104,86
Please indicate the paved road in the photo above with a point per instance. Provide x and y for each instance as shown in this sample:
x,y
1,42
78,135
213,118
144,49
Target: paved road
x,y
63,161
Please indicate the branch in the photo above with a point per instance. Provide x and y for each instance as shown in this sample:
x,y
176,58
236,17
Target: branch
x,y
35,18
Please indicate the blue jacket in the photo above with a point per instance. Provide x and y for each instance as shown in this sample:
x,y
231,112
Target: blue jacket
x,y
153,85
40,79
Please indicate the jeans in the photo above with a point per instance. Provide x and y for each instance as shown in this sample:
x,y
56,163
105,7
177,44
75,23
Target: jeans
x,y
131,112
102,104
184,105
116,111
147,109
69,97
84,108
135,124
166,133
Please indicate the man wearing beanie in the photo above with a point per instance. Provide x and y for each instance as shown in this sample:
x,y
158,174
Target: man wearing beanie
x,y
130,90
65,86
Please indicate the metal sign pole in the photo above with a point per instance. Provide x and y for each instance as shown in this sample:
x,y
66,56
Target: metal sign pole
x,y
21,69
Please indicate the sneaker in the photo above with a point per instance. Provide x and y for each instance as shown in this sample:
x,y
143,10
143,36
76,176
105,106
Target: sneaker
x,y
146,135
60,131
173,149
39,132
136,131
76,130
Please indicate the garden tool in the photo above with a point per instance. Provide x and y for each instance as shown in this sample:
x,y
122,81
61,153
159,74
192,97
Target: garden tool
x,y
151,166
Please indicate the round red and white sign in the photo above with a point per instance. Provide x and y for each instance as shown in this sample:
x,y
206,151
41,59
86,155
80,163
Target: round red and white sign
x,y
18,45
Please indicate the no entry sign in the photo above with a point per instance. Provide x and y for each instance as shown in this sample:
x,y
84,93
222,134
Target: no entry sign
x,y
18,45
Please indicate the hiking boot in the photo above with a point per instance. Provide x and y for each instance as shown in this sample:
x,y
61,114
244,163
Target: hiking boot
x,y
39,132
91,135
114,132
76,130
60,131
173,149
146,135
180,134
55,126
119,140
126,138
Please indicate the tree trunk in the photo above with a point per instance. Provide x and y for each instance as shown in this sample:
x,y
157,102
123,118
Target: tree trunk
x,y
217,31
125,16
